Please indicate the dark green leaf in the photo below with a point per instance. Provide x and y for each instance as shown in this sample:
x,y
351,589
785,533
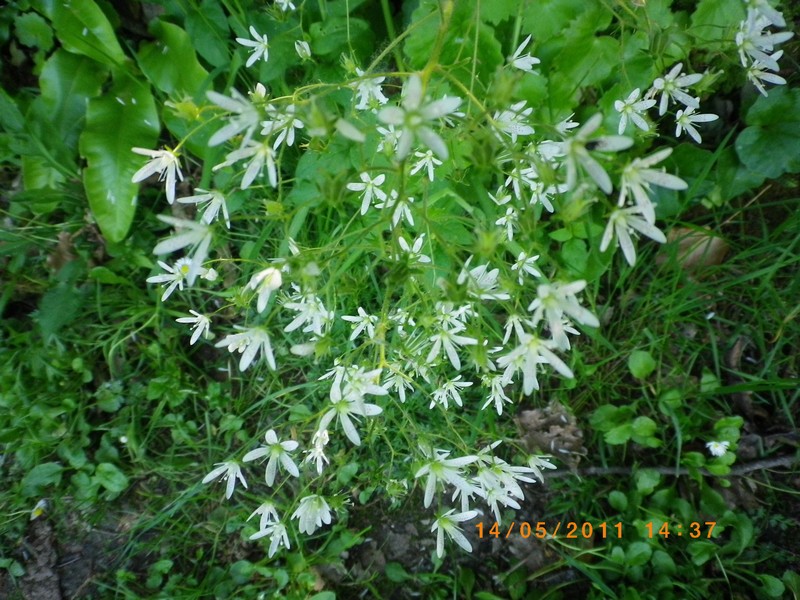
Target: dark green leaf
x,y
39,477
83,28
171,63
111,478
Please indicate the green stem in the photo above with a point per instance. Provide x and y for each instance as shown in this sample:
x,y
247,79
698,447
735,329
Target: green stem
x,y
387,19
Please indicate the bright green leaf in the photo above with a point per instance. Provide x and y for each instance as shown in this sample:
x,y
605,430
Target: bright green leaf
x,y
715,20
208,29
170,63
647,480
33,31
641,364
619,435
83,28
638,553
618,500
124,118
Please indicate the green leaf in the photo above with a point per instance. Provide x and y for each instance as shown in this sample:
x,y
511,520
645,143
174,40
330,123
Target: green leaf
x,y
641,364
122,119
663,563
331,36
715,20
702,551
638,553
619,434
546,19
40,476
644,426
33,31
771,586
83,28
171,63
771,144
67,82
395,572
111,478
208,29
647,480
618,500
57,308
792,581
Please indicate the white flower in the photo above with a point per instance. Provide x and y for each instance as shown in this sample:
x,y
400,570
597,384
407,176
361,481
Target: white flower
x,y
753,42
637,177
261,155
557,299
175,276
448,340
414,115
200,325
285,6
343,408
278,536
427,161
265,282
757,74
278,453
449,391
196,235
764,9
523,62
284,122
497,394
389,140
246,115
361,322
317,453
536,463
621,223
414,253
214,202
230,472
481,282
439,468
399,210
508,222
268,515
259,45
501,197
163,162
368,90
671,86
448,523
312,513
685,119
248,343
531,352
303,49
311,312
371,189
512,121
718,448
575,151
631,108
524,265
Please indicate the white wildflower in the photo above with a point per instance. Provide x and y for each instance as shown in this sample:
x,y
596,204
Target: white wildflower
x,y
201,325
278,453
229,471
259,45
163,162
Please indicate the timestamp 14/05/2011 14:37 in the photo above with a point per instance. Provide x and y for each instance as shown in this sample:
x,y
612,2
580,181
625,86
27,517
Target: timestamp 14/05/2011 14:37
x,y
575,530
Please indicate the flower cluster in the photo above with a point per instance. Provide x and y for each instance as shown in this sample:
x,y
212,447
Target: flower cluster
x,y
756,44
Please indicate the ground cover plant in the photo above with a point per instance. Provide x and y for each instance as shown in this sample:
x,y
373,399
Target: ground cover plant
x,y
451,299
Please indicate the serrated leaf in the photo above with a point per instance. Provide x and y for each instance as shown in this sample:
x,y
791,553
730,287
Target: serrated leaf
x,y
67,82
171,63
83,28
122,119
771,144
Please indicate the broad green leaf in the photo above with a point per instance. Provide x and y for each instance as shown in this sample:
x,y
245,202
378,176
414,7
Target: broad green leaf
x,y
331,35
38,173
33,31
618,500
647,480
638,553
546,19
701,551
715,20
208,29
171,63
644,426
619,434
39,477
395,572
11,118
124,118
641,364
771,143
67,82
111,478
83,28
663,563
57,308
771,586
